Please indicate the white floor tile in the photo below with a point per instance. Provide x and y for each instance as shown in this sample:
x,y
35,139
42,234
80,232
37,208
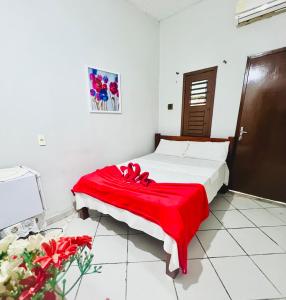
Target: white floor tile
x,y
233,219
109,284
78,227
94,213
229,194
147,280
211,223
279,212
110,249
278,234
243,279
261,217
142,247
253,241
195,249
132,231
266,204
201,283
273,266
241,202
218,243
59,224
110,226
220,203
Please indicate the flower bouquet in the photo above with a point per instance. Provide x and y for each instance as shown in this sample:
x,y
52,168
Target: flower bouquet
x,y
35,268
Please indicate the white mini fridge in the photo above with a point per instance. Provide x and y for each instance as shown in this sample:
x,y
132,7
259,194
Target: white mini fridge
x,y
20,196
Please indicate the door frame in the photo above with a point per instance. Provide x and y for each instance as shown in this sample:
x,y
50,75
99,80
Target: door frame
x,y
242,99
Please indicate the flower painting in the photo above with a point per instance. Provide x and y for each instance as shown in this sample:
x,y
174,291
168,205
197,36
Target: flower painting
x,y
104,91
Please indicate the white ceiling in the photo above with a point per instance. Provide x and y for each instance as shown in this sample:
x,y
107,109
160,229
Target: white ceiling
x,y
161,9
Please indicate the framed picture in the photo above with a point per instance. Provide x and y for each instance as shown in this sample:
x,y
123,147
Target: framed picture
x,y
104,91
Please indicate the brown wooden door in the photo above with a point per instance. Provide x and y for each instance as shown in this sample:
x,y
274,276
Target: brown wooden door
x,y
198,99
259,166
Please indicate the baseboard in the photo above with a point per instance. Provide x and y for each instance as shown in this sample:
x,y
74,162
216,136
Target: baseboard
x,y
60,216
257,198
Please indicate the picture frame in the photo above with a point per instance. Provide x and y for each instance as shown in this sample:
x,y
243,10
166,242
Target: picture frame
x,y
104,91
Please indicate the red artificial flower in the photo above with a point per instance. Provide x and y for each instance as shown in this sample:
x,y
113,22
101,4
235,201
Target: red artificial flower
x,y
50,296
80,241
113,86
104,86
33,284
56,253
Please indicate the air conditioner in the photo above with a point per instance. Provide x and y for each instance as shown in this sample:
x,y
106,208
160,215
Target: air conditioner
x,y
251,10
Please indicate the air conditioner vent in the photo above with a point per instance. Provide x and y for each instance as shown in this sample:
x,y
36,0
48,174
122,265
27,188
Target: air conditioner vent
x,y
248,11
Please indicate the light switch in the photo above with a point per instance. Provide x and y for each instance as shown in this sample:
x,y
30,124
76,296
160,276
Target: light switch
x,y
42,140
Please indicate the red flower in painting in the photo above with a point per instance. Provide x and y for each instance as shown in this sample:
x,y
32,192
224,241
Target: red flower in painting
x,y
113,86
97,85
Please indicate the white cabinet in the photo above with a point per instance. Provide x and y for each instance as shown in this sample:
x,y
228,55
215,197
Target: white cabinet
x,y
20,199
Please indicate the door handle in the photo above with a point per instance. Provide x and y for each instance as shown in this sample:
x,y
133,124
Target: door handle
x,y
241,133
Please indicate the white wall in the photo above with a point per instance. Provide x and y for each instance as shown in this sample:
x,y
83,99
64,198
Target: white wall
x,y
203,36
44,47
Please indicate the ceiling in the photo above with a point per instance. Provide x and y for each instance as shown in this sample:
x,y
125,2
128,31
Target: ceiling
x,y
161,9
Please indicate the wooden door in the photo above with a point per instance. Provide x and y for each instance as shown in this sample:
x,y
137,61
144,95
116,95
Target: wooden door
x,y
259,166
198,99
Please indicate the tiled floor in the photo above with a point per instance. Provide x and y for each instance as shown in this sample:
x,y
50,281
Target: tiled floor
x,y
238,253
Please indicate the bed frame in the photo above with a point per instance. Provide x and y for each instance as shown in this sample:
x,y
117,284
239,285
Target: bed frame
x,y
84,212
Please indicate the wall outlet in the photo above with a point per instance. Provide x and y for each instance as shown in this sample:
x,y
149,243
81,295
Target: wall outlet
x,y
42,140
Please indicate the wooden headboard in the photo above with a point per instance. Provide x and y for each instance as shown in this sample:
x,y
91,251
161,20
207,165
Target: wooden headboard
x,y
158,137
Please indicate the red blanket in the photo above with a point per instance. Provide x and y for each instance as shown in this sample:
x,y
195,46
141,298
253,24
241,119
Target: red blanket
x,y
177,208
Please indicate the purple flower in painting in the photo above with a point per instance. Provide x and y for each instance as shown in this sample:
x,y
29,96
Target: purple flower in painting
x,y
116,78
92,92
105,79
98,97
94,71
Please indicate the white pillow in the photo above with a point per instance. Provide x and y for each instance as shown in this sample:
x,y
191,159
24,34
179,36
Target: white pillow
x,y
208,150
177,148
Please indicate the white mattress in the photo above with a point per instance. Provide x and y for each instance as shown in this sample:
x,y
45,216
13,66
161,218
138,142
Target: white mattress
x,y
165,168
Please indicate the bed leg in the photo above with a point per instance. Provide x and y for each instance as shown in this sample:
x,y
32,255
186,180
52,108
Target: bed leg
x,y
168,272
83,213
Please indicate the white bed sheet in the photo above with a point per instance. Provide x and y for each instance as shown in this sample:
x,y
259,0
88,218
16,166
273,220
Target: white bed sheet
x,y
164,168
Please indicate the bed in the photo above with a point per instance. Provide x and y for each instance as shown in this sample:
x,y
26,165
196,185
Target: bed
x,y
212,174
